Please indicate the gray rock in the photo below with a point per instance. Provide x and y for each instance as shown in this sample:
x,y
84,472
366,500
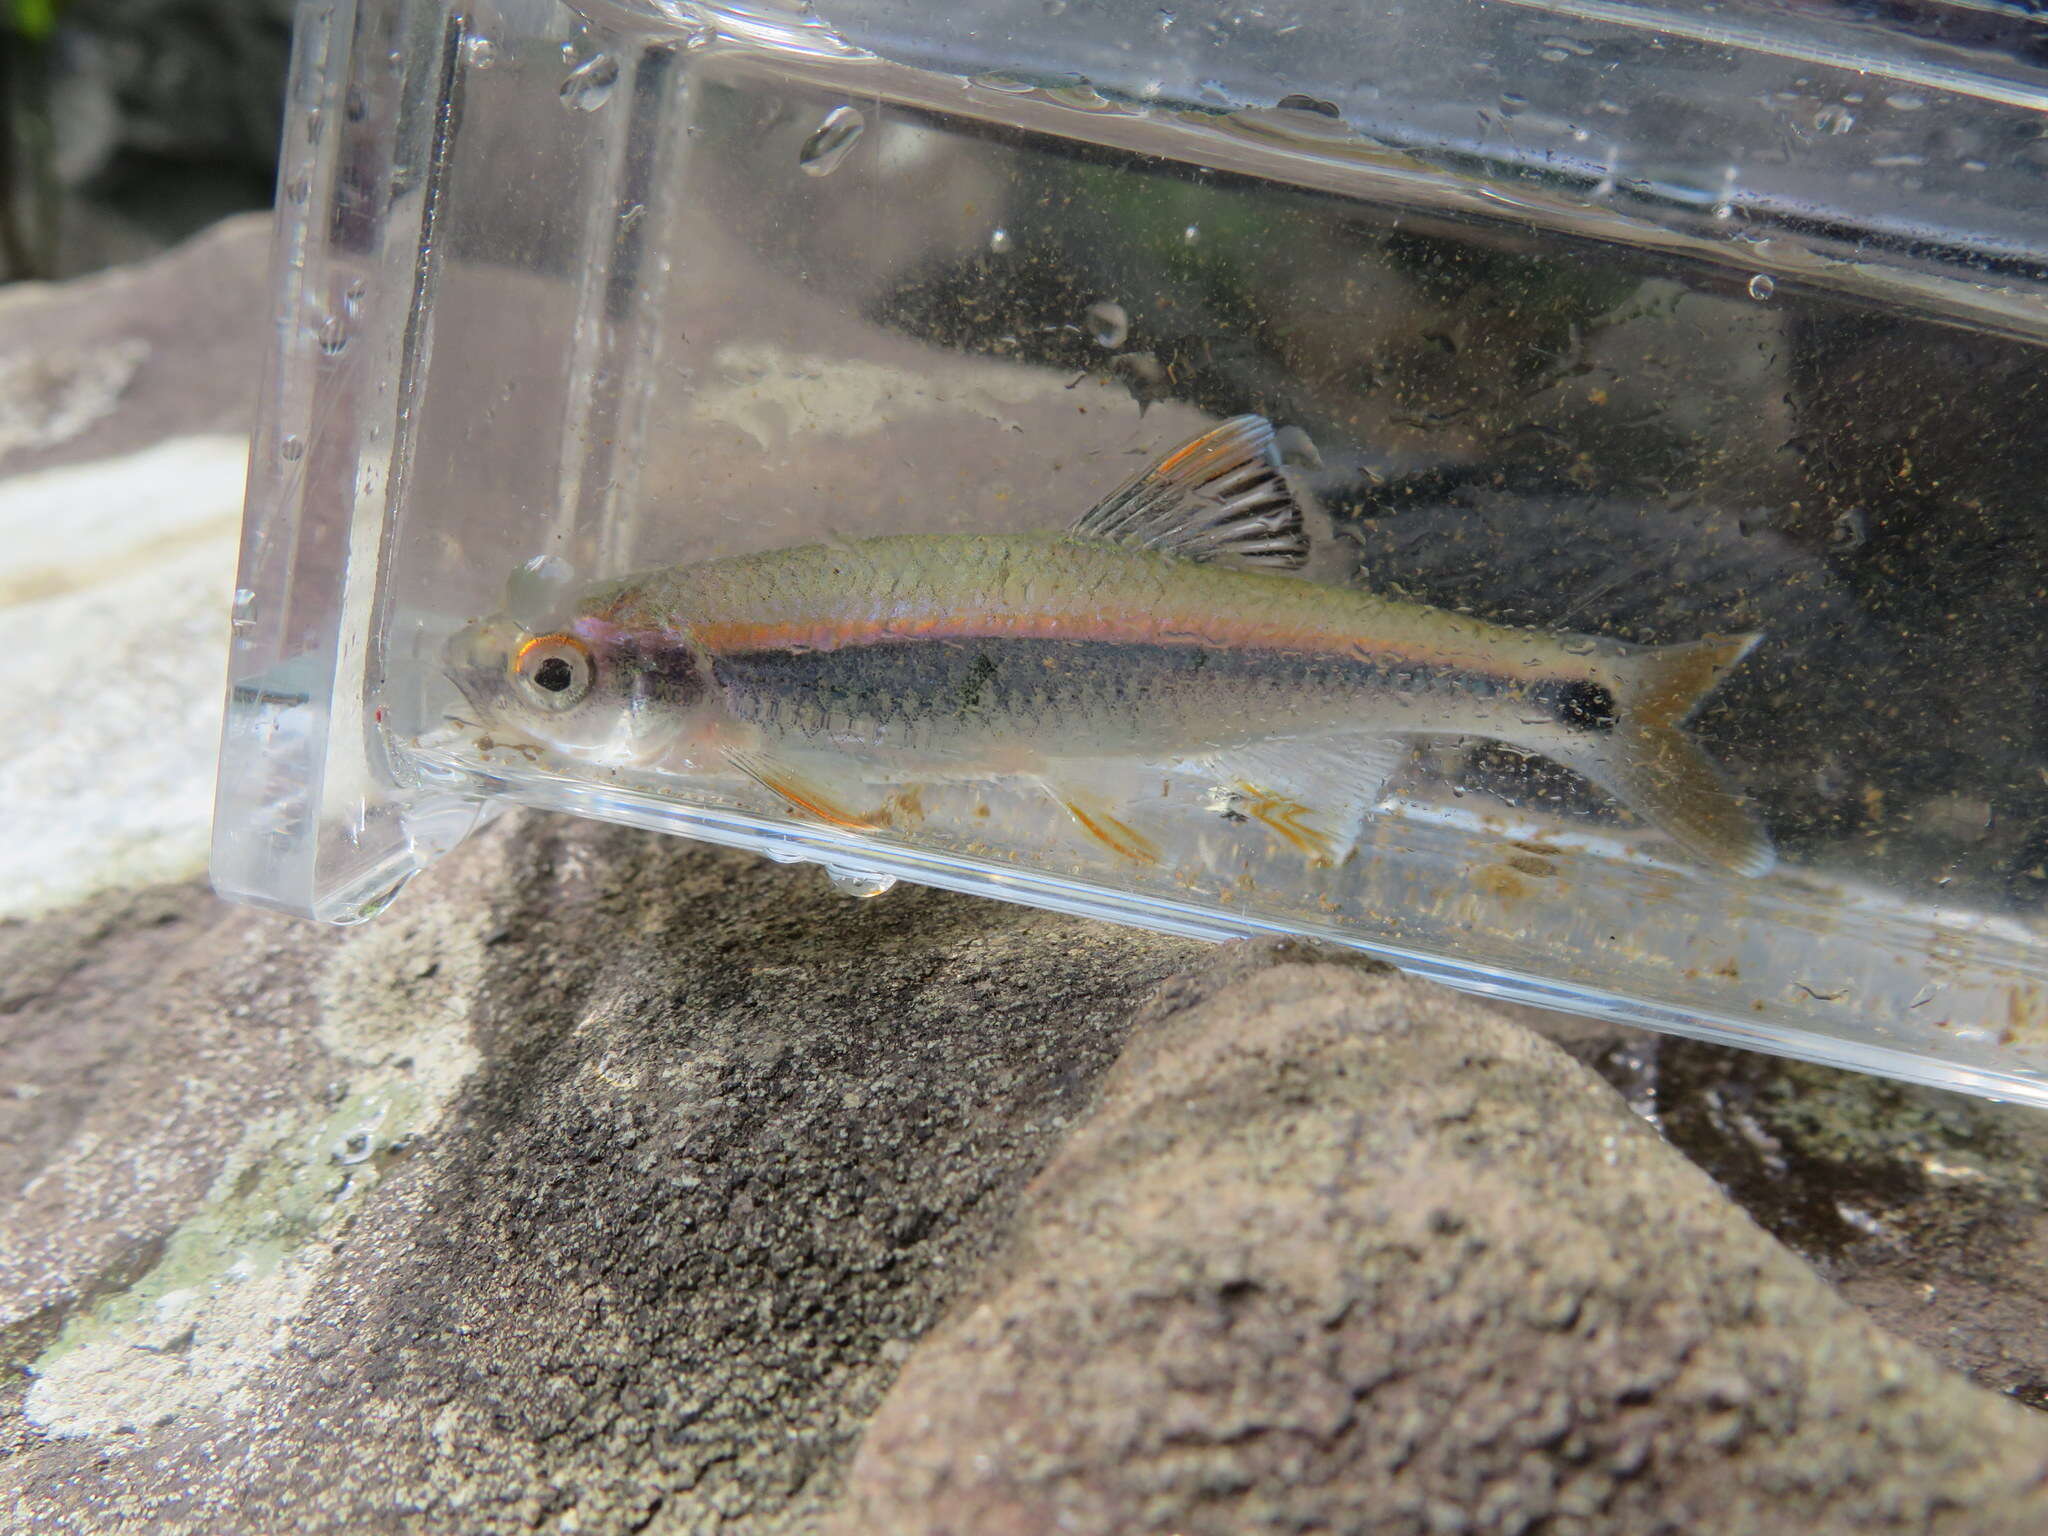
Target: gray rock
x,y
1923,1207
1342,1251
123,359
608,1177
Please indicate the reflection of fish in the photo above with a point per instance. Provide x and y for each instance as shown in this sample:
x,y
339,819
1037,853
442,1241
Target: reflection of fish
x,y
1145,634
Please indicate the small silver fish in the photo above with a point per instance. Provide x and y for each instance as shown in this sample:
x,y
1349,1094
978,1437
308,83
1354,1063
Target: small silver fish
x,y
1158,629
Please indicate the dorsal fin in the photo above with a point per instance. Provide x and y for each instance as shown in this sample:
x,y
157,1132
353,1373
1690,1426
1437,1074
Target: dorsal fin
x,y
1219,497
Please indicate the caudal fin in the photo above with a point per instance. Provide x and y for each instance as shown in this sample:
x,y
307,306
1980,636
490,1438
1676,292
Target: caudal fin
x,y
1648,762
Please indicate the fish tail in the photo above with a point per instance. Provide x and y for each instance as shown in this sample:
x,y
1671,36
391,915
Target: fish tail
x,y
1648,762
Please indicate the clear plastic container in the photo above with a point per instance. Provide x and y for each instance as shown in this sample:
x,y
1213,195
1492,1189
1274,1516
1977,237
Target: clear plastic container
x,y
1604,325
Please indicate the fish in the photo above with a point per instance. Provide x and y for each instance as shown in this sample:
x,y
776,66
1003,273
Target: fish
x,y
1167,627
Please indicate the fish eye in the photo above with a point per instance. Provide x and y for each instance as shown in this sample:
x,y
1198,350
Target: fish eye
x,y
553,671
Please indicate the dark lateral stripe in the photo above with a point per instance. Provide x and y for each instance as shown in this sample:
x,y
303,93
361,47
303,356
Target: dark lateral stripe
x,y
913,680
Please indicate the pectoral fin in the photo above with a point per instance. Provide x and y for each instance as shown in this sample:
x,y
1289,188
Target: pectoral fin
x,y
821,789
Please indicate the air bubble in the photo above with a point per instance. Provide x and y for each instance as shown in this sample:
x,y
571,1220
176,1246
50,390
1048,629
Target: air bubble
x,y
1834,119
333,335
1191,234
832,141
481,52
589,85
1552,55
1905,101
1297,448
1000,242
1296,101
356,1147
352,296
300,189
292,448
861,884
1108,324
355,106
1512,103
1762,286
539,592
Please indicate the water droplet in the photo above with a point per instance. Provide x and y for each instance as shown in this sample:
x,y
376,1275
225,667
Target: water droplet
x,y
1905,101
300,188
1512,103
482,52
589,85
1165,20
1762,286
861,884
1295,101
1008,84
1578,645
316,124
832,141
352,296
243,615
292,448
1000,242
1108,324
355,106
1191,234
1552,55
333,335
1833,119
353,1148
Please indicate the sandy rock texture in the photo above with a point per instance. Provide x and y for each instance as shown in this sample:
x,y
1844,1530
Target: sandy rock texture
x,y
610,1179
1340,1251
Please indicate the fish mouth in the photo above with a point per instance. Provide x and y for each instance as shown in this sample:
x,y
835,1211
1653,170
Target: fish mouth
x,y
475,657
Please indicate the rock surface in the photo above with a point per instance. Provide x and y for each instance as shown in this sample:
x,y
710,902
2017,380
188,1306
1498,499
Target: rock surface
x,y
606,1183
125,359
1925,1208
1341,1251
610,1177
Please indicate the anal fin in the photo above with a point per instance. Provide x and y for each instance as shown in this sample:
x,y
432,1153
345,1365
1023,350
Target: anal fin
x,y
1104,819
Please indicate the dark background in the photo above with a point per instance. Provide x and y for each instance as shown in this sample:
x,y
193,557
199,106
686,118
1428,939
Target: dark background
x,y
126,125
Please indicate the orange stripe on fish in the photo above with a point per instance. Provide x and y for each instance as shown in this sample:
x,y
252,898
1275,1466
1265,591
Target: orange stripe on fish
x,y
736,637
